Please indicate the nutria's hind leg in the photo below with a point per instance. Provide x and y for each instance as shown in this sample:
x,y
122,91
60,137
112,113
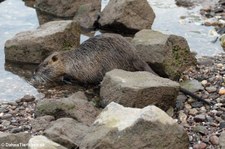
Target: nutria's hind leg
x,y
142,66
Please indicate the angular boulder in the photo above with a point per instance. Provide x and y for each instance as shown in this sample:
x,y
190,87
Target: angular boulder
x,y
76,106
86,12
42,142
138,89
123,128
67,132
168,55
6,139
34,46
127,16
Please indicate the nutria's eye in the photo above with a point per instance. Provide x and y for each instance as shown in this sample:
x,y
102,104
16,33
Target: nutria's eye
x,y
54,58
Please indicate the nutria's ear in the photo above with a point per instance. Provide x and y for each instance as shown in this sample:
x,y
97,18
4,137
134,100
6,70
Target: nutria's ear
x,y
54,58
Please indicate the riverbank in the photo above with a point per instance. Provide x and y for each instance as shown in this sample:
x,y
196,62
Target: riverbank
x,y
203,123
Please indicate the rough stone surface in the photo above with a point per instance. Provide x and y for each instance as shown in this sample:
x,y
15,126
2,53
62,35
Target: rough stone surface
x,y
75,106
127,16
34,46
8,138
138,89
64,8
40,123
67,132
120,127
88,14
41,142
168,55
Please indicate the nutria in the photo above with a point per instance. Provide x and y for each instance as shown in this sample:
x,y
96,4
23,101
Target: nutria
x,y
94,57
90,62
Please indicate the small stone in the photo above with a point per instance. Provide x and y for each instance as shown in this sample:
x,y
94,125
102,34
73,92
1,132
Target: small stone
x,y
223,116
204,82
197,104
182,117
200,146
170,111
7,116
199,118
222,125
211,89
220,65
193,111
222,91
16,130
5,123
27,98
214,139
209,119
187,106
200,129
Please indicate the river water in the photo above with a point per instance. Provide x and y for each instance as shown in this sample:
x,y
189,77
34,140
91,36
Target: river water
x,y
16,17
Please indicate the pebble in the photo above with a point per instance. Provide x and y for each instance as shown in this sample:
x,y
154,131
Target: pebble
x,y
200,118
16,130
214,140
193,111
200,129
7,116
222,91
211,89
222,125
187,106
200,146
204,82
5,123
197,104
220,65
182,117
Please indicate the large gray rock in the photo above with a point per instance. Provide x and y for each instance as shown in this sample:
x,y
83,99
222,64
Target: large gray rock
x,y
127,16
7,140
86,12
67,132
168,55
34,46
138,89
41,142
118,127
76,106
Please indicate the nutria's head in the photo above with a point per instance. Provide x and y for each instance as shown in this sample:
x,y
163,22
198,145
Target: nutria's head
x,y
50,69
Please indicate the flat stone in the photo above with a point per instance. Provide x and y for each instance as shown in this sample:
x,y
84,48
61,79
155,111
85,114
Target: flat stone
x,y
193,111
211,89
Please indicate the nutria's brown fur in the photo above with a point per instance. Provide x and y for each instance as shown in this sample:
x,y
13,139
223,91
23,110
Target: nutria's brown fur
x,y
90,62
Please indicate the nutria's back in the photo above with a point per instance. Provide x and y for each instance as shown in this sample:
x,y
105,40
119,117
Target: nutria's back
x,y
98,55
